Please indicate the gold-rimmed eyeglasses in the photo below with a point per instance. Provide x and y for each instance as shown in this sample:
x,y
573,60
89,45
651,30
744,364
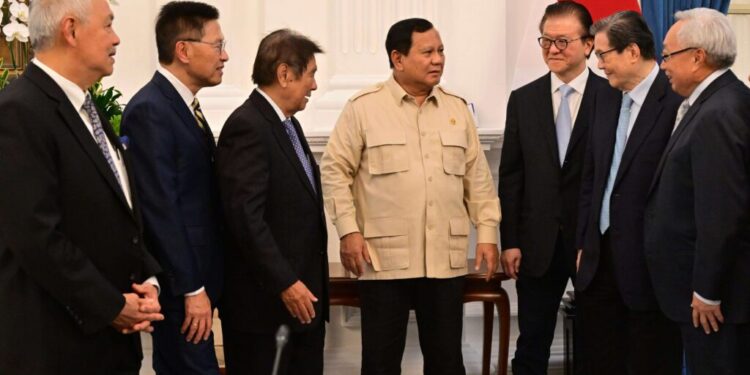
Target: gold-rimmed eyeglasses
x,y
218,46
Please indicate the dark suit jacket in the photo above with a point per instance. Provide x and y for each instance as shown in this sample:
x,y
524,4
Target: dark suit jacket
x,y
71,244
539,199
177,189
698,213
643,149
275,217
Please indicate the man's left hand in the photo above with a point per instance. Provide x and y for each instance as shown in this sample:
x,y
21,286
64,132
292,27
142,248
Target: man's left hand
x,y
705,315
489,253
150,297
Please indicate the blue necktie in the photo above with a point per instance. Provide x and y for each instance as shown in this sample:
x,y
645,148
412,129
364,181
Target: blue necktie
x,y
620,139
297,145
99,136
563,122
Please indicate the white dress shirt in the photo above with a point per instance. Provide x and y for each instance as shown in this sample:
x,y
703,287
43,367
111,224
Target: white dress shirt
x,y
638,94
574,98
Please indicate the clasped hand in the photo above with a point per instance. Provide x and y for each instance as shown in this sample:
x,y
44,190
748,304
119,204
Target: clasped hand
x,y
141,308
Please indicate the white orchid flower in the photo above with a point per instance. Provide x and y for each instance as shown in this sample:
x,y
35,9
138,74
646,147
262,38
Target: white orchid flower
x,y
16,31
20,11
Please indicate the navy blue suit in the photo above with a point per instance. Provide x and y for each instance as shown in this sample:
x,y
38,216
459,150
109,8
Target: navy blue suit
x,y
697,232
181,211
619,321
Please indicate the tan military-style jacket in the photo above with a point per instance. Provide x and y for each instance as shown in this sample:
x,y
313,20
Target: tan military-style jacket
x,y
409,179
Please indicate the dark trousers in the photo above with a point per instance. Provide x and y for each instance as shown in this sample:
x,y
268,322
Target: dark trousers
x,y
612,339
172,354
726,352
538,304
248,353
385,306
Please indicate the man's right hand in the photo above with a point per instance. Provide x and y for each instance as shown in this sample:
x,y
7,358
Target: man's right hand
x,y
299,301
354,253
198,318
511,259
136,315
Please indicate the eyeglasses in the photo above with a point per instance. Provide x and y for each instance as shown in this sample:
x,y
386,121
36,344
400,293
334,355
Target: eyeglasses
x,y
561,44
218,46
600,55
667,55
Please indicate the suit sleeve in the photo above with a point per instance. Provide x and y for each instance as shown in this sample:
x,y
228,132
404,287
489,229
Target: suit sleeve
x,y
587,182
31,217
511,179
244,177
720,155
155,160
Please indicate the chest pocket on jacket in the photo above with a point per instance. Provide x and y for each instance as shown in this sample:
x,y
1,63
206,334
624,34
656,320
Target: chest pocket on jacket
x,y
454,151
387,151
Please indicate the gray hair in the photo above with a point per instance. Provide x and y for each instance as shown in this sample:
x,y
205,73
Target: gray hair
x,y
710,30
45,17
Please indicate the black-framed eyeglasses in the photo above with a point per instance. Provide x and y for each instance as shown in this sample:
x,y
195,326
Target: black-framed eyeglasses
x,y
668,55
218,46
600,55
561,44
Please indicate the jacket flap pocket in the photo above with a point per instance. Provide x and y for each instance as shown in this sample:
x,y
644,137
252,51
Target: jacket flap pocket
x,y
459,226
385,227
388,137
455,138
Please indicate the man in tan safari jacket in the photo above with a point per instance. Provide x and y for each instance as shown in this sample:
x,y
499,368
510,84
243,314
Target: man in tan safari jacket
x,y
403,174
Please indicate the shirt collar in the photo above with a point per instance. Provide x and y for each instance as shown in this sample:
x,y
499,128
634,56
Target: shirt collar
x,y
273,105
639,92
399,94
182,90
75,95
702,86
578,83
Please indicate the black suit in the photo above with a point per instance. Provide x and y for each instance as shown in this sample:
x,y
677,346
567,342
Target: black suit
x,y
72,245
181,211
698,225
621,328
539,201
279,236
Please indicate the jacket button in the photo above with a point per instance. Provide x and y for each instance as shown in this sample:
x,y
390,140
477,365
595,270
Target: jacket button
x,y
135,240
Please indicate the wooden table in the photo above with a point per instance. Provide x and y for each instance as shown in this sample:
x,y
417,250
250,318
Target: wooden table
x,y
343,292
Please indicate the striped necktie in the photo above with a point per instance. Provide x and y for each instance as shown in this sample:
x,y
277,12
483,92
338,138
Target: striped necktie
x,y
99,136
202,123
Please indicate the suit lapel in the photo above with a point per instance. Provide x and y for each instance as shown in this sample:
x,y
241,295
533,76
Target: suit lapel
x,y
182,110
581,125
547,117
645,122
282,138
73,121
720,82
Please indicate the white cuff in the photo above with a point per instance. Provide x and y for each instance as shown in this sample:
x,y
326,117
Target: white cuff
x,y
153,281
706,301
197,292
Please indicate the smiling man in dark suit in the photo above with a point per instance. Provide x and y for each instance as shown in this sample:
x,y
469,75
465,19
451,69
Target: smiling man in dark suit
x,y
620,327
173,152
277,263
74,274
540,176
698,214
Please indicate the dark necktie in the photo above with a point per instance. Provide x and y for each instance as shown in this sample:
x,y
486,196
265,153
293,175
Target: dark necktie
x,y
99,136
297,145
